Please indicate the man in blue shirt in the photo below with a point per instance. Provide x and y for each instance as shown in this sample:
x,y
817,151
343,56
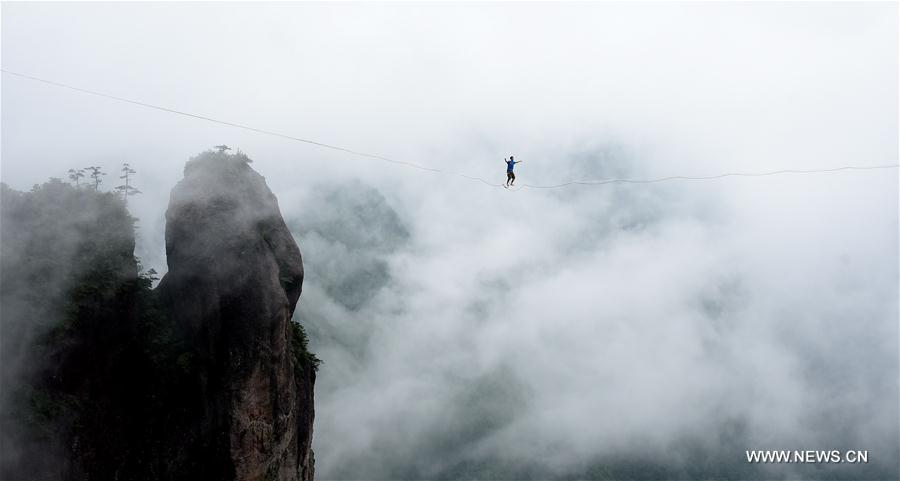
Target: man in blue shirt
x,y
510,177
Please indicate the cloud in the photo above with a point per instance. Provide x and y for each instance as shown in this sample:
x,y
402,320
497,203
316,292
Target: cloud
x,y
466,329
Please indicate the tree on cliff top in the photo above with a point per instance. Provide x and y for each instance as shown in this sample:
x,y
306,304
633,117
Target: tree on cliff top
x,y
76,175
127,189
96,175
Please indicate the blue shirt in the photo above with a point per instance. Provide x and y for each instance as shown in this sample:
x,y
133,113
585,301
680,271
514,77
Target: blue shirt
x,y
510,164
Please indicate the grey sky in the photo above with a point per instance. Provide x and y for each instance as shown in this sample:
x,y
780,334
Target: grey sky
x,y
608,316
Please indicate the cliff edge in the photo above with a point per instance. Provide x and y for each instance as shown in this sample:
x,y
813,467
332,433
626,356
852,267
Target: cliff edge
x,y
235,275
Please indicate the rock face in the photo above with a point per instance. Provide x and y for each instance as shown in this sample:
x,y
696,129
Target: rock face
x,y
235,275
105,378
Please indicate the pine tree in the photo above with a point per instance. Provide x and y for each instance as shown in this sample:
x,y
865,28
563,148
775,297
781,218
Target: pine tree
x,y
127,189
76,175
96,176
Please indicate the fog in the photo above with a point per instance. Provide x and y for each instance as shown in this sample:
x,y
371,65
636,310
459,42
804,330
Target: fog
x,y
469,329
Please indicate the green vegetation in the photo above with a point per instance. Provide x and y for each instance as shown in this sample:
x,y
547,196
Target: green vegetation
x,y
84,340
299,346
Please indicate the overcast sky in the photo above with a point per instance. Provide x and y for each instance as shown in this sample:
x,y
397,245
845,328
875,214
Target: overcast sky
x,y
577,321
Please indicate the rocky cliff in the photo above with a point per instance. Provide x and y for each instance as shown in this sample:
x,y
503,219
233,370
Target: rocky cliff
x,y
205,377
235,274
